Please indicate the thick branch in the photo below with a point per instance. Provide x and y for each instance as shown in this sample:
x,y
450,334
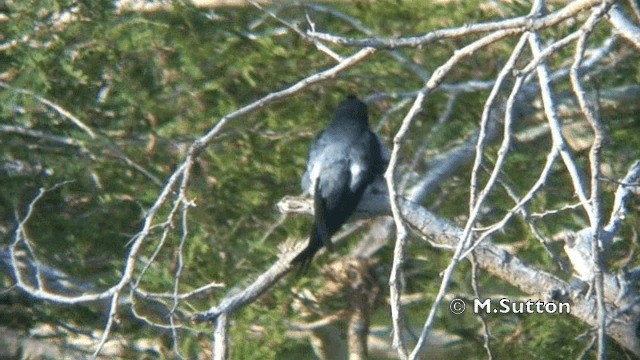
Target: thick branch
x,y
527,278
628,29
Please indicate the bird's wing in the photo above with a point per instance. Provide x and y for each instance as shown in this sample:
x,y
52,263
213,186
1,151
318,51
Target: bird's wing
x,y
320,223
334,178
365,161
318,145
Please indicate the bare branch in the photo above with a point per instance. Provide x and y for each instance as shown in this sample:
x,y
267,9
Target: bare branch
x,y
318,44
520,24
527,278
486,334
423,74
595,215
549,102
466,236
488,106
221,338
628,29
401,232
628,187
12,129
59,109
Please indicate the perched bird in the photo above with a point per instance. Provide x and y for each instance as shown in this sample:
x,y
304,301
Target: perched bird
x,y
344,159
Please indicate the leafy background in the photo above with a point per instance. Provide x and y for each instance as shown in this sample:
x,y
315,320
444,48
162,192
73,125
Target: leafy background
x,y
150,83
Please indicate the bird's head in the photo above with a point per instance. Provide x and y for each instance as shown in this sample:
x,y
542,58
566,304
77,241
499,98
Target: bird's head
x,y
353,109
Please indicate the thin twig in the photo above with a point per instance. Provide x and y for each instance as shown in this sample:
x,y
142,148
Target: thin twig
x,y
595,215
486,334
488,107
59,109
319,45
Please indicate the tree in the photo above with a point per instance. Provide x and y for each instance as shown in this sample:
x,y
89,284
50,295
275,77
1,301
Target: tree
x,y
127,231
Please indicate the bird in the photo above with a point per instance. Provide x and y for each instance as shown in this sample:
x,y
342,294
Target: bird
x,y
344,159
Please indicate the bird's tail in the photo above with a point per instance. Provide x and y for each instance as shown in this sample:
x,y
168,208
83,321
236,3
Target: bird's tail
x,y
319,235
306,255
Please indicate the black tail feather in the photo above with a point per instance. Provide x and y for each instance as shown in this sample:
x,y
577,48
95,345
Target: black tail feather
x,y
319,229
317,239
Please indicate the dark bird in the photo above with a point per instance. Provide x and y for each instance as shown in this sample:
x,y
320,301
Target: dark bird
x,y
344,159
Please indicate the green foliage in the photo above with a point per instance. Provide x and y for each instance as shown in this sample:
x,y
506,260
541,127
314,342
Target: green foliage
x,y
148,84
